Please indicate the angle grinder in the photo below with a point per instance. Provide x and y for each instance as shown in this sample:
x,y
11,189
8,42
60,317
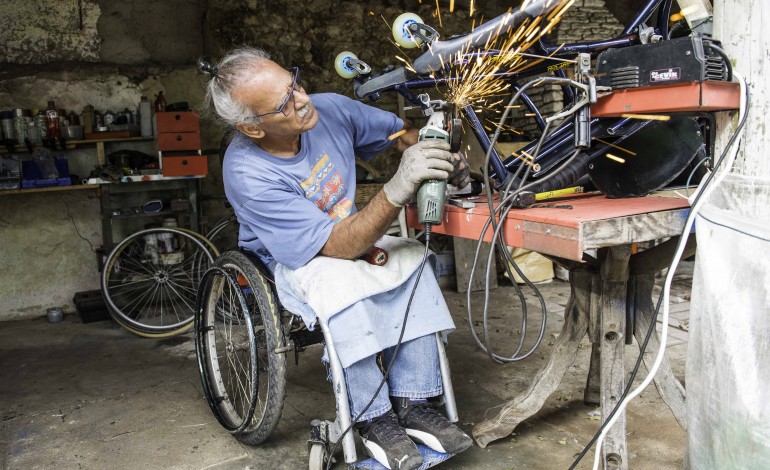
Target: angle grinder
x,y
431,196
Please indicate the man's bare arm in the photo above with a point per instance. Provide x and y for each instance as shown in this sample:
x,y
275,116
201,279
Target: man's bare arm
x,y
407,139
351,237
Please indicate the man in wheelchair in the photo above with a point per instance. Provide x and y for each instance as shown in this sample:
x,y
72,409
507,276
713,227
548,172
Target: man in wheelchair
x,y
290,177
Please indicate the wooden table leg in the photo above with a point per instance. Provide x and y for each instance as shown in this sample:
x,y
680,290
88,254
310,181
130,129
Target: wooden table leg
x,y
614,273
668,386
548,378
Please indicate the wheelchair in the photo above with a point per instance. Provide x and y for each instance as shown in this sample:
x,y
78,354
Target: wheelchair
x,y
242,337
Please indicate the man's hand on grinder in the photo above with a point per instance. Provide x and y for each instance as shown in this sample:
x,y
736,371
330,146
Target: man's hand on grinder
x,y
426,160
461,175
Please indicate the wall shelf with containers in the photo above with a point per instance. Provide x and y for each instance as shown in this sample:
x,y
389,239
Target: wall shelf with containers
x,y
22,134
162,191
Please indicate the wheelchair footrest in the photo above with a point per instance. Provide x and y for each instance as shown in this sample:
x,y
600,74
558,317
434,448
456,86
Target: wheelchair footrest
x,y
430,458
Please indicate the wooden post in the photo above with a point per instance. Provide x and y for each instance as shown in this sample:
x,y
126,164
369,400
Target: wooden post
x,y
741,25
614,273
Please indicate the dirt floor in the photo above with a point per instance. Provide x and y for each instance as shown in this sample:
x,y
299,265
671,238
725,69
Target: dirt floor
x,y
95,396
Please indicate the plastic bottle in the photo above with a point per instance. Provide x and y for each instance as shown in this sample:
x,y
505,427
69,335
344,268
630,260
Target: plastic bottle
x,y
21,125
53,121
145,117
160,102
87,117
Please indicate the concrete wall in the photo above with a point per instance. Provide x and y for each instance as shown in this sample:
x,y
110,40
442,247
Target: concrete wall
x,y
108,54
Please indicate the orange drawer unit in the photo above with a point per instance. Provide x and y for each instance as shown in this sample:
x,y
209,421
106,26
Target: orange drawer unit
x,y
172,141
179,144
180,121
186,165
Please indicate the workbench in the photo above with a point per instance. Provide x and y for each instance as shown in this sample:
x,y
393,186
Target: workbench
x,y
610,298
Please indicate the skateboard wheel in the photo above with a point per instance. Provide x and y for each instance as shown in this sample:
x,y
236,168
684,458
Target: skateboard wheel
x,y
342,64
401,33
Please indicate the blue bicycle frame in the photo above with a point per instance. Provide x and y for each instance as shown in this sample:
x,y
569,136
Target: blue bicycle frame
x,y
555,147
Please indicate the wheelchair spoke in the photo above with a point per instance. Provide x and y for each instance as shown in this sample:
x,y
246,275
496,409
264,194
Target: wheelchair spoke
x,y
244,377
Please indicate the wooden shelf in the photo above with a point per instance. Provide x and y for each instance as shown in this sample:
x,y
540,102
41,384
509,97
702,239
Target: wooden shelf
x,y
73,144
49,189
115,139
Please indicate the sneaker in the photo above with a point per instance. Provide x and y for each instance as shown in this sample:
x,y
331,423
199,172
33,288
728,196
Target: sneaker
x,y
386,442
426,425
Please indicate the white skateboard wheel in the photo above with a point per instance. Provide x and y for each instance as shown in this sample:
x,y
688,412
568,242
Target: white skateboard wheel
x,y
342,64
401,33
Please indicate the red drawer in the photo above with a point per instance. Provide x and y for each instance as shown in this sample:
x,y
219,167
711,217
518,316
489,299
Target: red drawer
x,y
181,121
187,165
168,141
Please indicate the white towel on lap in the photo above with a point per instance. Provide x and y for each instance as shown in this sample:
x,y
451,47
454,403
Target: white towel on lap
x,y
329,285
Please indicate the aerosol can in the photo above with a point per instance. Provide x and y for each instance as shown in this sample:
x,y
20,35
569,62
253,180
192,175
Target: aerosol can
x,y
432,193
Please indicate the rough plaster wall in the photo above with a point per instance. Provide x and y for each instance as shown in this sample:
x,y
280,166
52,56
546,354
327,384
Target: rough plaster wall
x,y
142,46
151,32
45,31
44,260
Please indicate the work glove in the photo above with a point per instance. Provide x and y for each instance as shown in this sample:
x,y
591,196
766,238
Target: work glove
x,y
426,160
461,175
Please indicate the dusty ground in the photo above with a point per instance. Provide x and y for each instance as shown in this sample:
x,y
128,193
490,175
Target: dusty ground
x,y
92,396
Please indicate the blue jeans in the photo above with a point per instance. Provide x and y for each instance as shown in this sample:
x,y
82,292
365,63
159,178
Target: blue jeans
x,y
414,374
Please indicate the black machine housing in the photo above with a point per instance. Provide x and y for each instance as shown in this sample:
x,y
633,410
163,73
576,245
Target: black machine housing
x,y
687,59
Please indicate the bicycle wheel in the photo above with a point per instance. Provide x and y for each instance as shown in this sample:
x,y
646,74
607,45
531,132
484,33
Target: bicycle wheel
x,y
238,329
150,280
224,235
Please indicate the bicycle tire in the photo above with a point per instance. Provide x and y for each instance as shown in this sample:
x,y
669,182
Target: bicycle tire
x,y
232,401
224,235
265,315
153,293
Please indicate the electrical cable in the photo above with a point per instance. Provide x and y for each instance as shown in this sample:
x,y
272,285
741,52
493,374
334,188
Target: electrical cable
x,y
386,372
67,206
692,173
499,239
497,234
505,206
704,189
695,206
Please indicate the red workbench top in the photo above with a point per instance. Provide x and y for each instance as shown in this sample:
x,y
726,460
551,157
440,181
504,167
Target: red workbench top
x,y
567,227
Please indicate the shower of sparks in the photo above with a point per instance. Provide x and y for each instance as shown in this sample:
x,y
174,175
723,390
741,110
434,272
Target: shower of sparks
x,y
504,127
647,117
528,159
476,70
438,14
613,157
614,146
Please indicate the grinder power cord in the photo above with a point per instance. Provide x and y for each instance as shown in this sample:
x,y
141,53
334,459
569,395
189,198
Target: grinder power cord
x,y
423,167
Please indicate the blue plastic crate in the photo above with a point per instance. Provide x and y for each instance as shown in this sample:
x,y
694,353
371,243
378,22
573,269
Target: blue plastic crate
x,y
33,178
26,184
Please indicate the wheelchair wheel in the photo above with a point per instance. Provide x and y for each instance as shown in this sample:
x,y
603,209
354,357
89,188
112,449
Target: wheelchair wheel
x,y
150,280
238,328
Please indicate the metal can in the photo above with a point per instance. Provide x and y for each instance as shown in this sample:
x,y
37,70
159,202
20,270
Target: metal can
x,y
6,121
55,314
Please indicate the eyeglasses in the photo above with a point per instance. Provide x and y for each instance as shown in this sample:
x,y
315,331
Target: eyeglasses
x,y
296,84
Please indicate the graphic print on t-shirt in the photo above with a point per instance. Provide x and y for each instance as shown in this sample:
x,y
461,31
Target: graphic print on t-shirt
x,y
326,189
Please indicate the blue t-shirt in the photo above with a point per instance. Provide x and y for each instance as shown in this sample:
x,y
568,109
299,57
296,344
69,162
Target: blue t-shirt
x,y
286,207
